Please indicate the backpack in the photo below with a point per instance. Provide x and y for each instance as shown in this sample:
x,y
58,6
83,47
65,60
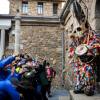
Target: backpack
x,y
49,73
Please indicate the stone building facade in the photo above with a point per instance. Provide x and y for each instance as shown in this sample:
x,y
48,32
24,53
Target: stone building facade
x,y
41,35
32,7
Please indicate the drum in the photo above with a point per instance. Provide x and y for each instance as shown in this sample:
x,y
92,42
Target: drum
x,y
83,53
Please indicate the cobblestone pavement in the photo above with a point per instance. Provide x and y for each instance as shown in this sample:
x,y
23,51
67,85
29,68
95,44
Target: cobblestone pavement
x,y
58,93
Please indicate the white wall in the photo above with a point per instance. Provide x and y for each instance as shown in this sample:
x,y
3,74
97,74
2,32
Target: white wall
x,y
5,22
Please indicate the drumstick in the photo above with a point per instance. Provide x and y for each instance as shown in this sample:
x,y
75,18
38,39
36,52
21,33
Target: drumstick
x,y
71,60
89,50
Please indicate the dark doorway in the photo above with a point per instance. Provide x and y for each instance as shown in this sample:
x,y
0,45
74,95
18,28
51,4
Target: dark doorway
x,y
97,9
97,15
6,38
98,69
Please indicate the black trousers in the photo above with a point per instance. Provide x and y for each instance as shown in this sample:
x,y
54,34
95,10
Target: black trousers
x,y
43,90
31,94
49,86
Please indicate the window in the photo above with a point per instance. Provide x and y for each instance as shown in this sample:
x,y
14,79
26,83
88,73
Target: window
x,y
25,7
55,8
40,8
13,32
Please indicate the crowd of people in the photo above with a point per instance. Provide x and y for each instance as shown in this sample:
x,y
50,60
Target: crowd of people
x,y
25,78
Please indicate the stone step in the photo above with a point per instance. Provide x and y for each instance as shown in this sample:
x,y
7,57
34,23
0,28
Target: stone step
x,y
82,96
63,98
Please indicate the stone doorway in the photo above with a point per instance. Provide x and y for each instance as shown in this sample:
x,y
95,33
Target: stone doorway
x,y
98,70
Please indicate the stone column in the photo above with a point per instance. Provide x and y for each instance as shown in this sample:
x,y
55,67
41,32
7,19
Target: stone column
x,y
2,42
17,32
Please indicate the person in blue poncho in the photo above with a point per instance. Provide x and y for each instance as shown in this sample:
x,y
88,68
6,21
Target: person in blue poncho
x,y
3,57
33,60
8,89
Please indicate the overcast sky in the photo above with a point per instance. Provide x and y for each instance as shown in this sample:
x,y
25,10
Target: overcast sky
x,y
4,7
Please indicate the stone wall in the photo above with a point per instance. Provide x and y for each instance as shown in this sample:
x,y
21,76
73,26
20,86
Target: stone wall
x,y
33,7
69,75
42,41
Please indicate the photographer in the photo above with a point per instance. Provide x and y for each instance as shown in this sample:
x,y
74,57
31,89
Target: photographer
x,y
21,65
24,55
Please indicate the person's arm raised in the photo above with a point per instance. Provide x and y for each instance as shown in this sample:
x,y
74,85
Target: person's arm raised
x,y
8,60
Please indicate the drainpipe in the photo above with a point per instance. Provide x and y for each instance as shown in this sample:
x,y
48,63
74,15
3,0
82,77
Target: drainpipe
x,y
62,11
63,58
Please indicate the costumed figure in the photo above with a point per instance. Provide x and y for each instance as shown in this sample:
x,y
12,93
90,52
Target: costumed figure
x,y
84,49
